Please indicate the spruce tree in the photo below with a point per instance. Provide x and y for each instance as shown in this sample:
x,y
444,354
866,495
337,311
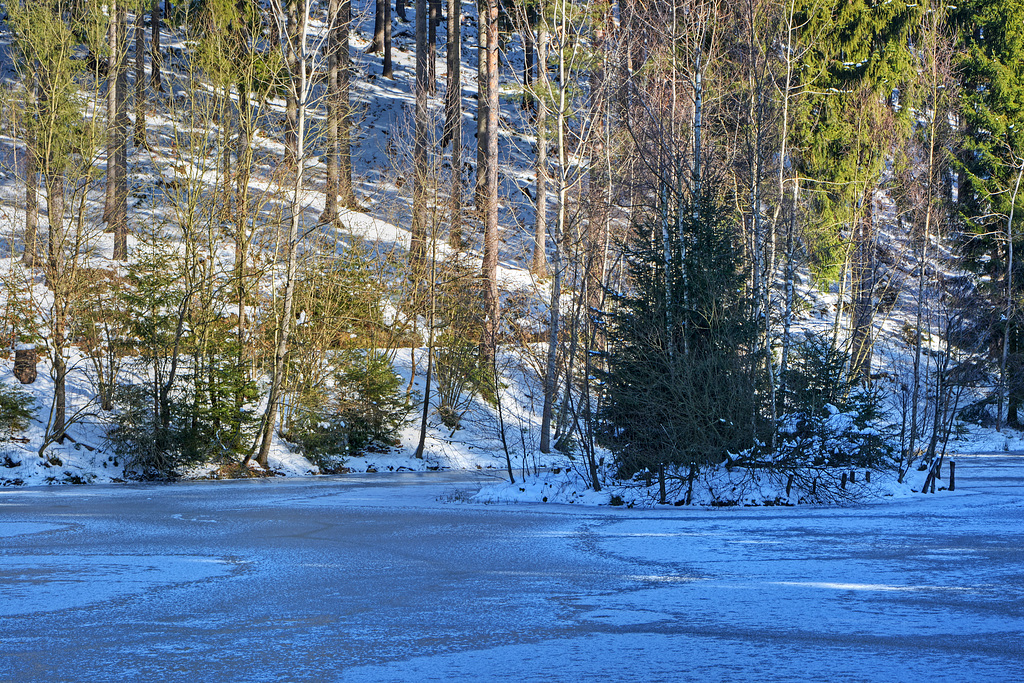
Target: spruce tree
x,y
989,168
680,384
845,130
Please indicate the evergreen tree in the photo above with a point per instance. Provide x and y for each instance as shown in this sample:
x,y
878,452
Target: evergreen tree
x,y
846,130
990,167
679,381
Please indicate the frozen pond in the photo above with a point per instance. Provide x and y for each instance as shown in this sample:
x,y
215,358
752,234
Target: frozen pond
x,y
391,578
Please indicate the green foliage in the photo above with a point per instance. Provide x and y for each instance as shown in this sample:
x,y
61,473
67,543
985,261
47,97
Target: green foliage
x,y
16,408
45,46
151,444
855,65
680,382
827,416
817,376
459,371
344,395
361,407
990,163
195,403
229,51
992,106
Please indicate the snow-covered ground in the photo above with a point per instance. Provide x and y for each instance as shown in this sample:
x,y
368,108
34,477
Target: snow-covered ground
x,y
394,577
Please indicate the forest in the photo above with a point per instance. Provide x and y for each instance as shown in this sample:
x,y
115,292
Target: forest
x,y
659,238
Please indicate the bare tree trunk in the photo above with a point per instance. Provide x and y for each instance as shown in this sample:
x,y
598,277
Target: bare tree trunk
x,y
400,10
420,218
551,369
57,280
491,241
599,184
298,91
377,44
31,181
863,293
333,156
435,15
119,219
787,315
482,103
112,141
387,68
140,79
154,46
453,119
529,47
345,192
539,265
292,52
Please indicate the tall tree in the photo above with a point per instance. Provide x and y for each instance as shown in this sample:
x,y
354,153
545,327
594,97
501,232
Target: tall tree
x,y
991,165
421,171
339,155
491,242
155,58
298,85
452,134
847,128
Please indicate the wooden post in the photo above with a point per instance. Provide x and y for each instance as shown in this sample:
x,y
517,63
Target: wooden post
x,y
867,476
853,476
661,483
952,476
842,484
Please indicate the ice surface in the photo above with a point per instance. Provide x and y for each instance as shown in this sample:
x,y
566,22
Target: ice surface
x,y
389,578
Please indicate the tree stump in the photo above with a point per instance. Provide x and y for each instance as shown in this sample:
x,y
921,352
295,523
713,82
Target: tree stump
x,y
25,365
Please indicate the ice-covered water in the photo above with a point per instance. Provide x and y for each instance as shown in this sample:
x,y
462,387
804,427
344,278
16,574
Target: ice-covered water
x,y
383,578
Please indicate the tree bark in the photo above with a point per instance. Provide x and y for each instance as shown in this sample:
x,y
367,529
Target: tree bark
x,y
863,293
334,114
140,79
491,242
31,181
387,70
57,280
418,241
298,90
435,14
119,218
112,142
292,52
345,192
155,58
377,44
453,120
539,265
482,103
